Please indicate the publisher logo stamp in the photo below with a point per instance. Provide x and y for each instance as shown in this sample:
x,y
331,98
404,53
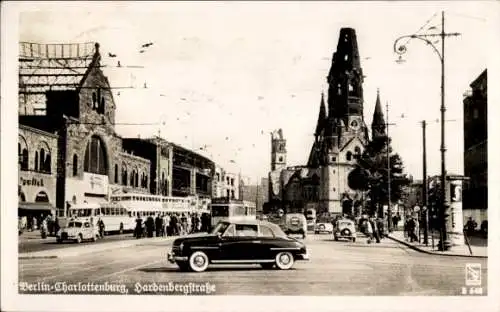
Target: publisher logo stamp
x,y
473,274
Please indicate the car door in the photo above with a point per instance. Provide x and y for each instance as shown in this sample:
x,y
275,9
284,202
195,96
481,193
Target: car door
x,y
237,243
267,241
86,231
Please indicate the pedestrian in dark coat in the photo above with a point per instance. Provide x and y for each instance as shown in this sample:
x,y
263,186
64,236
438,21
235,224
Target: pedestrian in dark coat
x,y
158,225
150,225
138,227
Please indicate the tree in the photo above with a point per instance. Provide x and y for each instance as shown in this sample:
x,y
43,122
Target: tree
x,y
371,174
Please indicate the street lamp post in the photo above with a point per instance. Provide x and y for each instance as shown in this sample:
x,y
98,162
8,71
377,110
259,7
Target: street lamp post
x,y
401,49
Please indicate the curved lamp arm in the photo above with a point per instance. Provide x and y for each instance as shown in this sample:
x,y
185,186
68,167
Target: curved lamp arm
x,y
401,48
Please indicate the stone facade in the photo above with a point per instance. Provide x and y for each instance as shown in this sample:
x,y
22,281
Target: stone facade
x,y
37,163
475,193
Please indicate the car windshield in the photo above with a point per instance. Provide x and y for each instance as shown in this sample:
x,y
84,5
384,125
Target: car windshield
x,y
220,228
346,224
75,224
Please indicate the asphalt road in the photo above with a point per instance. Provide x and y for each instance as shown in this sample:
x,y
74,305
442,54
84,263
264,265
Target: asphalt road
x,y
39,244
335,268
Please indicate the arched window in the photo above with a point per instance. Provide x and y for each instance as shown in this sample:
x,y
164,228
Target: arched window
x,y
349,156
357,152
132,174
116,173
95,156
48,163
124,174
75,165
94,100
23,153
24,161
42,159
42,197
36,160
136,179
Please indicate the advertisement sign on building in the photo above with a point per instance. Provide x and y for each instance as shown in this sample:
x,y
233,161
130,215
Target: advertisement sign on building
x,y
95,183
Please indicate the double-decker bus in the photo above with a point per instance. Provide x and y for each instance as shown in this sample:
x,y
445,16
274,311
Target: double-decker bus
x,y
151,205
232,210
115,216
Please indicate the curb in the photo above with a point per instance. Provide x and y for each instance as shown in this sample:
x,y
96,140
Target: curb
x,y
432,252
81,250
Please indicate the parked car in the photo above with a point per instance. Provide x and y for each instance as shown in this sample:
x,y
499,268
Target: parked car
x,y
295,223
345,229
239,242
78,231
323,227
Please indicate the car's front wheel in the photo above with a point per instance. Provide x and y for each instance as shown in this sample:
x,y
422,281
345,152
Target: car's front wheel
x,y
198,261
284,260
79,238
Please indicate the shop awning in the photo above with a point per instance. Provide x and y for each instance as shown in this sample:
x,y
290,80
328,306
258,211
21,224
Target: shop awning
x,y
36,206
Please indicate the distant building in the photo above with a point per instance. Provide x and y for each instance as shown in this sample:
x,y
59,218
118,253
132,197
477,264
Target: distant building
x,y
475,193
225,184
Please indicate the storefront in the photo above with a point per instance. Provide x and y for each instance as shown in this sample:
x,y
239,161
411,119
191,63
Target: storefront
x,y
36,193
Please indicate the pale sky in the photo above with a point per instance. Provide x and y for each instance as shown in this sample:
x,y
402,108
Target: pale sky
x,y
225,75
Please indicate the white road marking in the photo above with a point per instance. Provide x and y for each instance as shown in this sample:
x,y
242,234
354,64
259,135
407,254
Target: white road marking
x,y
130,269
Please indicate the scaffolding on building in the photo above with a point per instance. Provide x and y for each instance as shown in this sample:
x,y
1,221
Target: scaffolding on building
x,y
51,67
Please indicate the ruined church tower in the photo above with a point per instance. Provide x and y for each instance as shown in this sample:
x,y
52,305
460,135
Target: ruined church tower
x,y
341,134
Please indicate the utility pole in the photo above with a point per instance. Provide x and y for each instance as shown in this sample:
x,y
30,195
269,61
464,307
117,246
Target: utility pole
x,y
424,186
444,243
389,210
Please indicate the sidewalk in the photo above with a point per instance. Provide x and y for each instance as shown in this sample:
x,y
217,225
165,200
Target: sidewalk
x,y
479,249
91,248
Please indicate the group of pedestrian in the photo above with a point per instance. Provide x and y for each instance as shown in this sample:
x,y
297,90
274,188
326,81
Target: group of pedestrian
x,y
412,228
171,224
373,228
46,223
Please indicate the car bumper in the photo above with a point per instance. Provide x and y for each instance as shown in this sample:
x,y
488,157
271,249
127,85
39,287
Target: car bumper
x,y
173,259
290,231
304,256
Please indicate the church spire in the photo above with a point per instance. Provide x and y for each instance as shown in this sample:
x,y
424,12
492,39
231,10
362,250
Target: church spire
x,y
322,116
378,123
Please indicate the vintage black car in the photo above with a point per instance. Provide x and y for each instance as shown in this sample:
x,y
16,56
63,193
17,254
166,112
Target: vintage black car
x,y
245,242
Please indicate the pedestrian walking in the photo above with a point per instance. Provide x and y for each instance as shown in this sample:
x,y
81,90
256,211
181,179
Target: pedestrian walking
x,y
369,231
150,225
138,227
101,226
166,223
158,225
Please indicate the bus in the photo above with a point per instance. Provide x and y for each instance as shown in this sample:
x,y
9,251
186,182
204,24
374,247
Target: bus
x,y
152,205
232,210
115,216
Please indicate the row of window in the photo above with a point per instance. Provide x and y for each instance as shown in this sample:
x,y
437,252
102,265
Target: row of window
x,y
229,181
42,161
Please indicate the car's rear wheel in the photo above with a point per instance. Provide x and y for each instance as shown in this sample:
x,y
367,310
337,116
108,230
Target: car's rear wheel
x,y
198,261
267,266
284,260
58,240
